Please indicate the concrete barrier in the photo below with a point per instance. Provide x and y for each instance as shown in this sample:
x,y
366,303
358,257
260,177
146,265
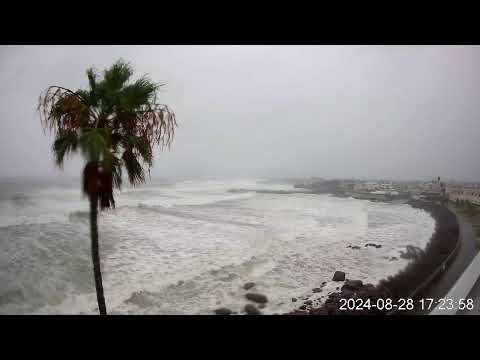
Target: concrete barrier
x,y
461,289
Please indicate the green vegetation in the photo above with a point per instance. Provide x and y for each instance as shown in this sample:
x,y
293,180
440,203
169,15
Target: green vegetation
x,y
468,209
115,124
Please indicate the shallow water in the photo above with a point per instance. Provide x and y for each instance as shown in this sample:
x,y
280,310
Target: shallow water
x,y
188,247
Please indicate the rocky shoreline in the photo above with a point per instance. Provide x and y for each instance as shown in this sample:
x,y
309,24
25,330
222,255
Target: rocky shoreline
x,y
404,283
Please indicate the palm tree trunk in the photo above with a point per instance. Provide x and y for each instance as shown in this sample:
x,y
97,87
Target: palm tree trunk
x,y
95,254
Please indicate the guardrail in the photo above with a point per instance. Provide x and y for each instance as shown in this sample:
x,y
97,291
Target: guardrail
x,y
441,268
461,289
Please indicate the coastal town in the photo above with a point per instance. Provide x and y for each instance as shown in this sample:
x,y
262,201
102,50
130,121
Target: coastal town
x,y
388,190
449,265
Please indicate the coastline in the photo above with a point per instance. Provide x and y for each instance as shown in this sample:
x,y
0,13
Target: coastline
x,y
411,282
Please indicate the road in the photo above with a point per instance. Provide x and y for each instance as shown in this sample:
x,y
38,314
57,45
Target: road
x,y
475,295
466,253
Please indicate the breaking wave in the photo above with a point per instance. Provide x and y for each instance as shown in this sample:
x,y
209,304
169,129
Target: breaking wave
x,y
189,247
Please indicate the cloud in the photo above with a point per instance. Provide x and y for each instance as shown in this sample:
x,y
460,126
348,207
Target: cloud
x,y
331,111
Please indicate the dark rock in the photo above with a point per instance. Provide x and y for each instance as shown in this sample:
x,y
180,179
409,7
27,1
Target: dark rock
x,y
321,311
393,258
384,292
337,288
248,285
261,306
299,312
373,245
223,311
324,283
368,287
362,294
346,293
334,297
259,298
352,285
355,247
252,310
338,276
308,302
316,290
294,299
303,307
331,308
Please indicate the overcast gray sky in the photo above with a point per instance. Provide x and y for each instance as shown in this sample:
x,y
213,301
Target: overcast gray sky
x,y
329,111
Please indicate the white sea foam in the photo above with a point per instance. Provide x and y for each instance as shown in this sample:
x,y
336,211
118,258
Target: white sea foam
x,y
189,247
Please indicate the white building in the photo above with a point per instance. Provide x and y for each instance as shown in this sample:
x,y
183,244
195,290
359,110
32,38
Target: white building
x,y
464,193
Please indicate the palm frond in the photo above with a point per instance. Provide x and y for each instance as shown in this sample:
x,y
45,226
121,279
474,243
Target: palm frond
x,y
142,147
157,124
115,77
112,116
94,143
63,109
65,142
136,174
92,77
113,164
133,96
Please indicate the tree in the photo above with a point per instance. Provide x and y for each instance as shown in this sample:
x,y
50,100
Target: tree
x,y
115,123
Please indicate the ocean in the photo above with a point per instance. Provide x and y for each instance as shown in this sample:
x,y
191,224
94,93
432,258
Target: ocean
x,y
188,247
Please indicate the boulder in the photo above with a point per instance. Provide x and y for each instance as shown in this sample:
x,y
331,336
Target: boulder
x,y
368,287
294,299
331,308
303,307
223,311
346,293
248,285
259,298
320,311
308,302
261,306
299,312
316,290
338,276
352,285
252,310
393,258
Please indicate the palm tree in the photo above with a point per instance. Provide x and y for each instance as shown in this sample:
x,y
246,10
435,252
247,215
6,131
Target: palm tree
x,y
115,123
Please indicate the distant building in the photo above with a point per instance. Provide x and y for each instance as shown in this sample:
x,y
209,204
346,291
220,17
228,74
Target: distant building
x,y
469,193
